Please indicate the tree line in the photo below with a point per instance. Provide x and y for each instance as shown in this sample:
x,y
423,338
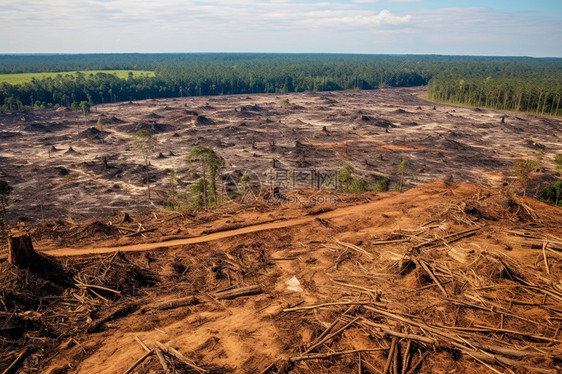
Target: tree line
x,y
528,85
501,82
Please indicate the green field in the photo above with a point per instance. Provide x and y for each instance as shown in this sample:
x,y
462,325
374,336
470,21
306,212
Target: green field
x,y
26,77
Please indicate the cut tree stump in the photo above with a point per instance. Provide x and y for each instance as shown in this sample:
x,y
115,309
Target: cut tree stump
x,y
21,252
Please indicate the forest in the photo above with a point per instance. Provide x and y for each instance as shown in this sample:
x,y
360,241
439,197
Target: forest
x,y
518,83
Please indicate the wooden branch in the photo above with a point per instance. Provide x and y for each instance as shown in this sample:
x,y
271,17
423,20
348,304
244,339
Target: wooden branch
x,y
463,344
331,336
393,347
328,355
268,368
84,285
368,290
494,359
139,361
459,254
237,292
356,248
118,313
171,304
545,258
29,315
418,363
457,340
387,331
325,332
495,309
340,303
430,273
396,358
162,360
172,352
447,239
406,356
486,329
142,344
17,362
554,294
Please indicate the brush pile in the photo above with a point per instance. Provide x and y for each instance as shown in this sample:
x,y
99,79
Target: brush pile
x,y
423,300
444,278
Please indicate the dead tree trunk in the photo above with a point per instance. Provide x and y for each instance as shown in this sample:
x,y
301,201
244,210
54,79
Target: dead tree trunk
x,y
243,291
21,252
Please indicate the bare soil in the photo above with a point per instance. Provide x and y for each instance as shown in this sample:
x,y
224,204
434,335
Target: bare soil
x,y
457,277
448,277
54,159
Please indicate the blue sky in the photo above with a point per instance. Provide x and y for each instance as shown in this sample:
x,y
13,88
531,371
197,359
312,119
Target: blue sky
x,y
460,27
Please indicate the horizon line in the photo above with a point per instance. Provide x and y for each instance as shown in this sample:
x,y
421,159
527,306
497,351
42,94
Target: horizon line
x,y
269,53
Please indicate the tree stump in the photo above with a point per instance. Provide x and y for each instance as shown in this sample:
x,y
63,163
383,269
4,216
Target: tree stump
x,y
21,252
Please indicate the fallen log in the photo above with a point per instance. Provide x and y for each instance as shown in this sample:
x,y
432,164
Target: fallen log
x,y
339,303
118,313
171,304
328,355
237,292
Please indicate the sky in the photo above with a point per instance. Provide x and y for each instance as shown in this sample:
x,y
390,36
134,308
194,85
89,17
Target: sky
x,y
449,27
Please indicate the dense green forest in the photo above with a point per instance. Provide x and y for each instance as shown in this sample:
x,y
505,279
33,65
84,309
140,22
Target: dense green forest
x,y
533,85
501,82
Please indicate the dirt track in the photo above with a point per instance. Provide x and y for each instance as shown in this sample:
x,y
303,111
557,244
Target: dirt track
x,y
347,211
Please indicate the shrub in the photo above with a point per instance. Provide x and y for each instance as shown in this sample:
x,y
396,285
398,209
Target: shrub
x,y
357,186
552,193
347,183
525,172
558,161
381,185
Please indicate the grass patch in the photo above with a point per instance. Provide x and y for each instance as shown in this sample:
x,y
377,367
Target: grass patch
x,y
22,78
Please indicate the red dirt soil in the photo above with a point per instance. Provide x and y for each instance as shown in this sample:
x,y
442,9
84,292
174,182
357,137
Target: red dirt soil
x,y
457,277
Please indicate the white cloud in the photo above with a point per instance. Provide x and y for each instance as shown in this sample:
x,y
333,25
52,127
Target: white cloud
x,y
143,16
267,25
